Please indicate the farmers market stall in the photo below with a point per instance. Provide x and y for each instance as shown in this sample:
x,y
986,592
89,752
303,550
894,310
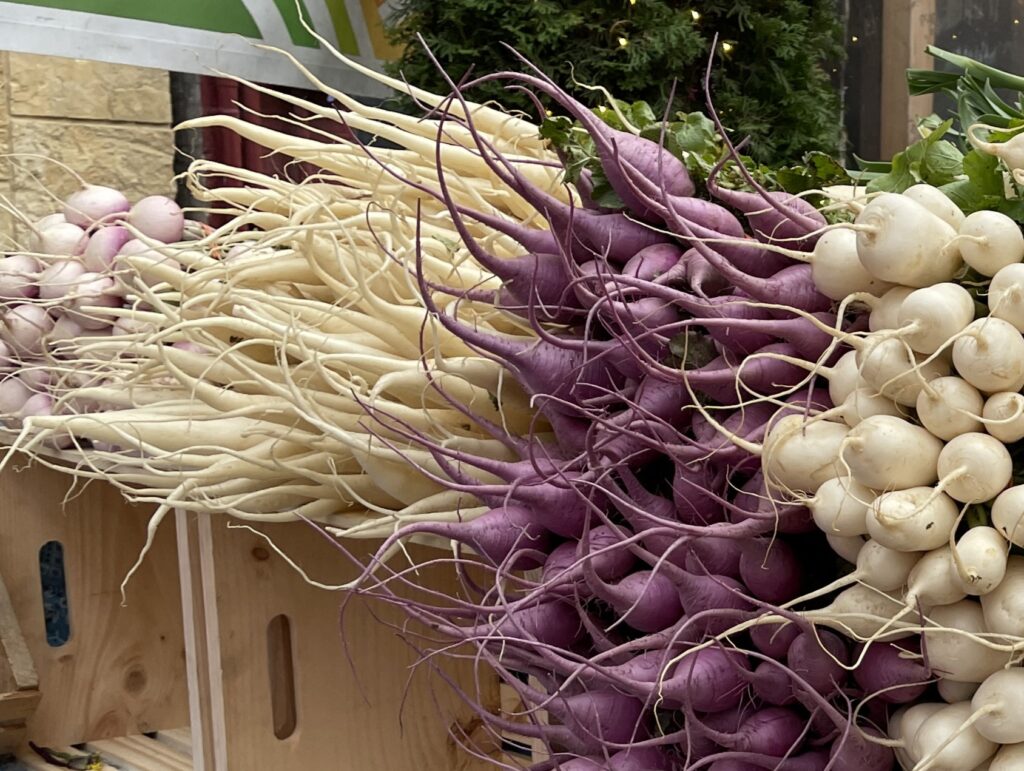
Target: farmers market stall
x,y
636,452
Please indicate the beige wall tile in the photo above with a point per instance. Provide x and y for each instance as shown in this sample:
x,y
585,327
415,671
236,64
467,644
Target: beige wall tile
x,y
135,159
5,120
48,86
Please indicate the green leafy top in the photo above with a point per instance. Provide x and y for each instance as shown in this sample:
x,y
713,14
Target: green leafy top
x,y
944,157
932,159
689,136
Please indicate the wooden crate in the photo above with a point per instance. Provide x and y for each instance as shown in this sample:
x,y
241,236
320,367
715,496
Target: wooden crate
x,y
218,633
369,715
122,670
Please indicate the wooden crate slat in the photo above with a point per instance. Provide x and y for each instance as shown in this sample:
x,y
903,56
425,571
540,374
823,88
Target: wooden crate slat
x,y
202,656
145,758
15,707
17,671
178,739
157,750
127,753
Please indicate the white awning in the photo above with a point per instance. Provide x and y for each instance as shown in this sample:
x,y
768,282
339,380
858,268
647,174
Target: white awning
x,y
204,36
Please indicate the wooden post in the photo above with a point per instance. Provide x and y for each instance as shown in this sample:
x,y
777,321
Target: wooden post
x,y
202,655
907,27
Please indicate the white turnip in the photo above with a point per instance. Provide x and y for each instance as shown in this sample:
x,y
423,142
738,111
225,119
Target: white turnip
x,y
886,452
949,407
915,519
989,355
900,241
974,467
989,241
1003,416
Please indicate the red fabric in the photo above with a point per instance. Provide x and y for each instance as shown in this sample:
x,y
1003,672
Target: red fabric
x,y
227,97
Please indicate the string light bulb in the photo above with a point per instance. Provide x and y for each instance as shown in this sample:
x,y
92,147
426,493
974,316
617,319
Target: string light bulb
x,y
727,47
695,14
623,42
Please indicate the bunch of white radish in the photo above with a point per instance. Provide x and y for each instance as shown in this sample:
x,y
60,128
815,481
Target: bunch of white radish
x,y
926,403
255,354
977,726
72,281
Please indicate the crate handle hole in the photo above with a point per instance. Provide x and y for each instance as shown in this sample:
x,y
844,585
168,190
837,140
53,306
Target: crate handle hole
x,y
56,614
282,676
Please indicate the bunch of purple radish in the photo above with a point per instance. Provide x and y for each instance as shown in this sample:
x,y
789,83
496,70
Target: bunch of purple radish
x,y
72,281
641,578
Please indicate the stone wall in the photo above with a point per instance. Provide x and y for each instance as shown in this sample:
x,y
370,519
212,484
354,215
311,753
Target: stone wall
x,y
109,123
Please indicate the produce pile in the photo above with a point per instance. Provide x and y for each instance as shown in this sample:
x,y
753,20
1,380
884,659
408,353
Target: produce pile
x,y
727,457
64,286
255,347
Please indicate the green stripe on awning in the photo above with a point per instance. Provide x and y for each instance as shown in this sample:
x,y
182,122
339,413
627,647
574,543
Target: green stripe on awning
x,y
210,15
290,13
347,42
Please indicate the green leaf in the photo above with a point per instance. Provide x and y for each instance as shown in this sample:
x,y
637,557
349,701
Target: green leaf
x,y
983,188
977,70
943,163
575,145
964,194
818,170
897,180
638,114
873,167
641,115
1012,208
983,172
932,159
695,133
930,82
603,194
928,124
826,168
556,129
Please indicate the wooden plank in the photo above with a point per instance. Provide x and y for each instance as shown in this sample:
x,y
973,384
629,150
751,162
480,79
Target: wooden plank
x,y
158,750
401,723
115,752
123,669
178,739
18,671
907,27
211,624
12,738
141,753
19,694
197,647
128,753
16,707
